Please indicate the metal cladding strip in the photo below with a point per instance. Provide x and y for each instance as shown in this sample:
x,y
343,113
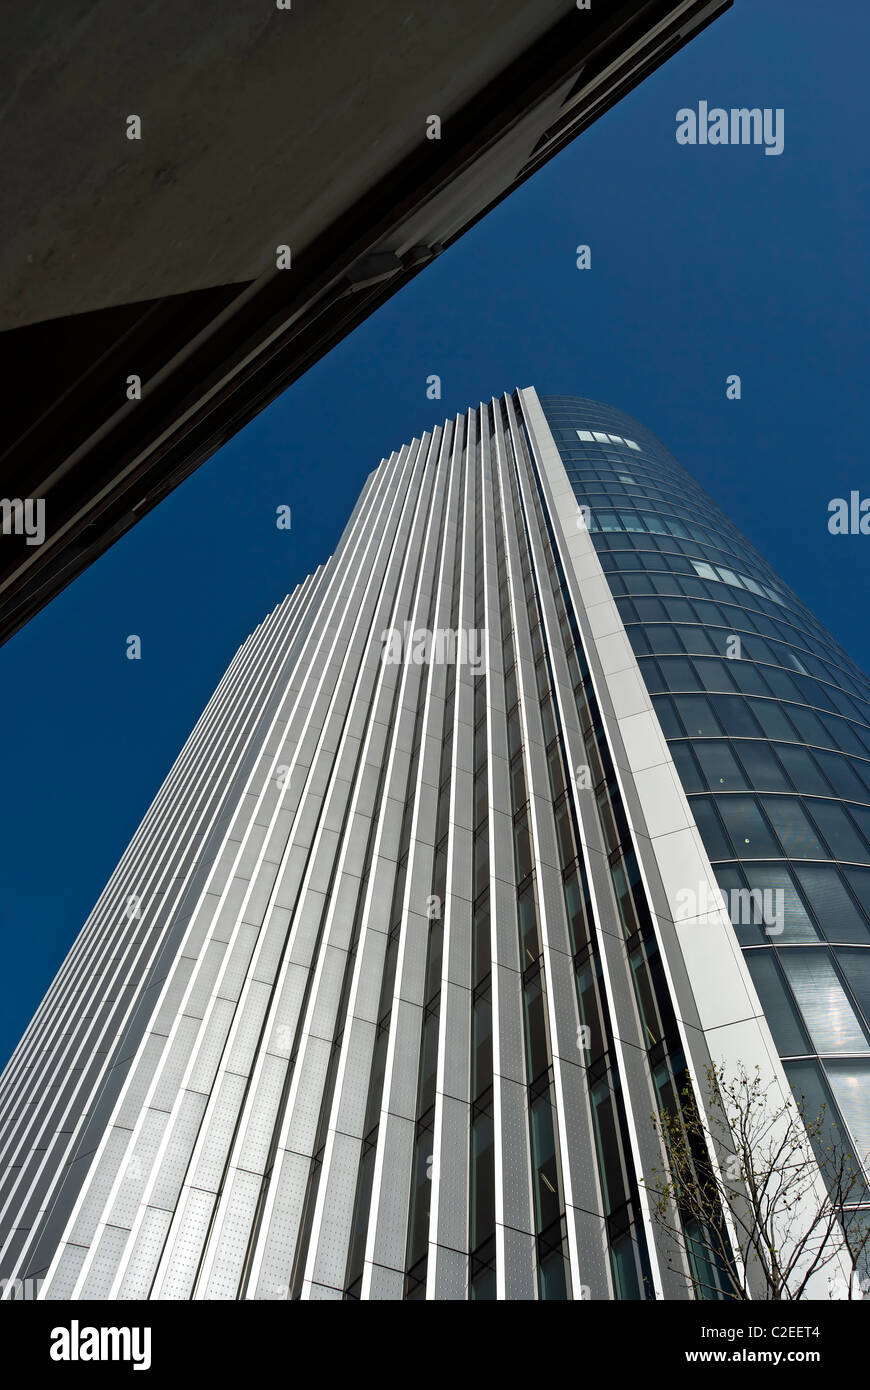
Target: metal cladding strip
x,y
101,1114
389,1207
587,1230
587,1235
202,1021
447,1262
333,579
181,1258
327,1254
31,1040
167,810
321,930
514,1230
154,941
719,1015
275,1251
629,1048
628,1044
560,995
291,983
386,1240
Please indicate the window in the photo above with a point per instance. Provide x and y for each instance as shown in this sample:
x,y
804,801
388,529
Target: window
x,y
850,1082
710,826
832,1022
838,830
772,718
842,776
792,825
667,717
694,638
729,577
684,761
835,911
809,727
631,444
802,769
762,768
735,715
585,435
859,882
704,570
790,920
714,674
679,673
720,766
779,1009
697,715
749,833
855,965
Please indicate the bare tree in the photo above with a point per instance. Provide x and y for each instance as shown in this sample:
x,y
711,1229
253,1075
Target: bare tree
x,y
757,1198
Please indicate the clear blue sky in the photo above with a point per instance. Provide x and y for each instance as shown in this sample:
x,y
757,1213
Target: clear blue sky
x,y
705,261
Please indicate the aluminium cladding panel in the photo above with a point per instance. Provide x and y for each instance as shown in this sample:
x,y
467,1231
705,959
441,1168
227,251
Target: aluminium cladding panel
x,y
718,1011
524,543
390,1200
117,962
227,724
225,952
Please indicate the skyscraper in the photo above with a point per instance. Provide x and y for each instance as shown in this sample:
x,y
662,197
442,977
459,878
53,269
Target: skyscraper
x,y
426,919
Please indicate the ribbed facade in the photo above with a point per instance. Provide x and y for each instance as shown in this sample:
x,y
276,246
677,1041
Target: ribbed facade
x,y
380,999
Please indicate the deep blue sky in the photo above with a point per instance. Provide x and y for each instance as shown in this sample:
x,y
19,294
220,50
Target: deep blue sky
x,y
705,261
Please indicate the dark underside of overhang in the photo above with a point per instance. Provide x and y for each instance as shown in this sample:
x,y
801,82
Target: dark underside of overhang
x,y
212,358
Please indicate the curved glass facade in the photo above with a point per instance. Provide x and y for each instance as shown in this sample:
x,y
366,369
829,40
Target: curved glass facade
x,y
768,723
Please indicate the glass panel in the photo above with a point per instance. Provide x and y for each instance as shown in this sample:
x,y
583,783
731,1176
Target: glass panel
x,y
779,1009
748,926
527,914
481,1044
859,882
750,835
762,768
837,914
782,903
482,1194
667,717
855,965
536,1024
832,1022
720,766
801,767
545,1171
710,826
679,673
773,719
687,767
697,715
792,825
850,1082
838,830
735,714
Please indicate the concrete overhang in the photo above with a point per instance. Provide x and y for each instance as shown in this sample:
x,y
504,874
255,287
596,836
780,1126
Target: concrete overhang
x,y
261,127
